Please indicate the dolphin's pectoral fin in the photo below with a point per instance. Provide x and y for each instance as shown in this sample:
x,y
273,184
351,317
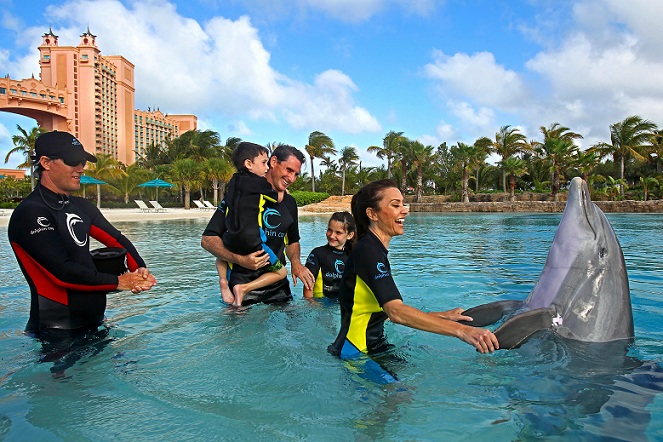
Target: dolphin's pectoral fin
x,y
490,313
517,330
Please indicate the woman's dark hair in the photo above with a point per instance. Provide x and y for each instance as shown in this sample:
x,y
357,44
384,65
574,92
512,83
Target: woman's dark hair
x,y
368,196
247,151
349,225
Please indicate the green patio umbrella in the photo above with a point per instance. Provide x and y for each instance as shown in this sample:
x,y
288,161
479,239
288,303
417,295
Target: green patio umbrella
x,y
85,180
156,184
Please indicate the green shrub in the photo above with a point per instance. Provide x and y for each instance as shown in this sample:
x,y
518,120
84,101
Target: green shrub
x,y
304,197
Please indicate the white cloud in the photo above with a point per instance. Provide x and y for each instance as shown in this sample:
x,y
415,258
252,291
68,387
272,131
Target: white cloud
x,y
328,103
604,67
477,77
219,67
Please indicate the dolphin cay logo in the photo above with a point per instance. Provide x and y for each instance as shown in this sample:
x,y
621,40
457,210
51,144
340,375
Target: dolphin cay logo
x,y
383,271
72,220
265,218
44,224
339,266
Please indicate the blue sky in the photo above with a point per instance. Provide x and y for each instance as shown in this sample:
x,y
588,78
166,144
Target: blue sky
x,y
451,70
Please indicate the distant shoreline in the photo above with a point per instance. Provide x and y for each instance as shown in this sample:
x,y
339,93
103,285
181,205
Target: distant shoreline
x,y
128,215
628,206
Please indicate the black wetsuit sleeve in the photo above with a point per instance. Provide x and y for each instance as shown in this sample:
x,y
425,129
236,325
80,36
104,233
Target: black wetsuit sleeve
x,y
313,263
375,271
104,232
42,249
247,193
292,236
217,224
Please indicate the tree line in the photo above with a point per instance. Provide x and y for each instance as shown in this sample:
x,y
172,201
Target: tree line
x,y
199,163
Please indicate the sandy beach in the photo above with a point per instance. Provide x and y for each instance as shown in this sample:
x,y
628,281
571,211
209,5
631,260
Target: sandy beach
x,y
113,215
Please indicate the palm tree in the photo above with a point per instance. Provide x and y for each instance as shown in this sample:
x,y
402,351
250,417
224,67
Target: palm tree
x,y
585,162
462,154
627,138
188,174
420,156
153,156
559,153
514,167
127,183
648,183
389,149
106,168
229,146
348,158
558,149
219,171
25,144
318,145
509,142
614,188
404,156
479,154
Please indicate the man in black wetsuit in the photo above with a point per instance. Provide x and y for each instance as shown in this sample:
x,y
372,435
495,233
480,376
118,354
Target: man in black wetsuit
x,y
50,233
280,222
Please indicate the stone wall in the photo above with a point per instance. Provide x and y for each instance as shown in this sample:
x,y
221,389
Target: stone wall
x,y
655,206
527,202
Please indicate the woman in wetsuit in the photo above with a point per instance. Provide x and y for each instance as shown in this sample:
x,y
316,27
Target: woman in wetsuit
x,y
327,262
368,294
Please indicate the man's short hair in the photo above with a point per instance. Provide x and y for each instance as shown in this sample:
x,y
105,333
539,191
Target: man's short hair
x,y
285,151
247,151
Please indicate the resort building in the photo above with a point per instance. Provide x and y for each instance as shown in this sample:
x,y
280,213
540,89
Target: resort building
x,y
91,96
17,174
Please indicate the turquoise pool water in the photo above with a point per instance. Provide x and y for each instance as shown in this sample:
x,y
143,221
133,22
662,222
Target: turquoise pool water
x,y
176,364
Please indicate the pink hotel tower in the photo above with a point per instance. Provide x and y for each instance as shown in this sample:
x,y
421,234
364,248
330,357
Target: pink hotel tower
x,y
91,96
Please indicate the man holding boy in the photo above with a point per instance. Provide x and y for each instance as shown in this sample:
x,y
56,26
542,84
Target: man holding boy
x,y
280,222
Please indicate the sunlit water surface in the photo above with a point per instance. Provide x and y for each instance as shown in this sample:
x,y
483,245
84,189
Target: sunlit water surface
x,y
176,364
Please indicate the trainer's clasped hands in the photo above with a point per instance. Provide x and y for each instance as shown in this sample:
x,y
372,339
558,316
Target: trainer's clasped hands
x,y
137,281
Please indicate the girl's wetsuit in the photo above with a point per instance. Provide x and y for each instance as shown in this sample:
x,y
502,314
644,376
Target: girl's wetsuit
x,y
50,235
327,264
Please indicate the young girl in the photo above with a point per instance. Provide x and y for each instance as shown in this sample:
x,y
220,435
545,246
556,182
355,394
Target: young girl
x,y
328,262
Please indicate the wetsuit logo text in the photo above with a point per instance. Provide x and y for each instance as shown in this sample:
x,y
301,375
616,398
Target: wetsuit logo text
x,y
44,224
383,271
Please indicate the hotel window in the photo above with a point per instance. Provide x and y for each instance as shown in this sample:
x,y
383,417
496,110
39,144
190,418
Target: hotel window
x,y
3,90
46,56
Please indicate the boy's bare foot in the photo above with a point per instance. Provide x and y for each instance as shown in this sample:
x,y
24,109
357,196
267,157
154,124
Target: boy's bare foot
x,y
226,294
239,291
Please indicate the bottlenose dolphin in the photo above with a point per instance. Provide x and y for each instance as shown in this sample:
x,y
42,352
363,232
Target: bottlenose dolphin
x,y
582,293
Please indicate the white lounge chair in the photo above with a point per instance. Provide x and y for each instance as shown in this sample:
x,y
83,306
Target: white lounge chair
x,y
209,205
142,206
199,205
157,206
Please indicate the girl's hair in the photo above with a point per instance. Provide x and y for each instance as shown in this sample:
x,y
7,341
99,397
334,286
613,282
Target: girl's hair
x,y
349,225
368,196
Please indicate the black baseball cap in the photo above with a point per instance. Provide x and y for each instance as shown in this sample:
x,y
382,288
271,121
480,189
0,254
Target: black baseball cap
x,y
61,145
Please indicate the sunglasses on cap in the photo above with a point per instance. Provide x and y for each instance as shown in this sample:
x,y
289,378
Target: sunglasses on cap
x,y
70,163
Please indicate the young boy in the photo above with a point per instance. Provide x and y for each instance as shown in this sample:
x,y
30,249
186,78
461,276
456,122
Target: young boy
x,y
246,194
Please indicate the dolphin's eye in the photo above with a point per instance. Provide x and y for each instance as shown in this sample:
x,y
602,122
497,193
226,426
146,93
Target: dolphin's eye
x,y
603,252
